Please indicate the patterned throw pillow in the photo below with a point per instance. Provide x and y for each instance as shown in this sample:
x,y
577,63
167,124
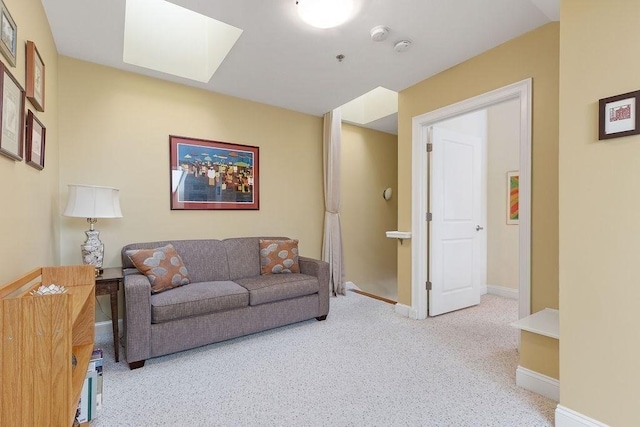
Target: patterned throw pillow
x,y
279,256
162,266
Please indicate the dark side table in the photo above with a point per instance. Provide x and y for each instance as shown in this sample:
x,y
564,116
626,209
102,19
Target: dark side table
x,y
109,283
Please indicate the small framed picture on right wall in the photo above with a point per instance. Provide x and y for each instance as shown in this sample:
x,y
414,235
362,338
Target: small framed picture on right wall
x,y
513,194
618,116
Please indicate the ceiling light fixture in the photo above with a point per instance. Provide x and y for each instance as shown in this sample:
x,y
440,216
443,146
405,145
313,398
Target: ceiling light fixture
x,y
325,13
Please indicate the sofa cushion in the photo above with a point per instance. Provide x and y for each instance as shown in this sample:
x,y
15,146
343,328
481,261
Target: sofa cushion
x,y
162,266
279,256
205,259
197,299
276,287
243,255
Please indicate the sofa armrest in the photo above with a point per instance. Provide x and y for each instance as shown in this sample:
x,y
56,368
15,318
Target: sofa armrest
x,y
137,317
319,269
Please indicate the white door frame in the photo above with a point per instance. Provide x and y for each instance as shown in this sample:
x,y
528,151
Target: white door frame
x,y
419,166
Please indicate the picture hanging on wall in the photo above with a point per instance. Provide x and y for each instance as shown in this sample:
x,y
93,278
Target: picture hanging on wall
x,y
35,77
11,115
618,116
213,175
35,139
8,35
513,194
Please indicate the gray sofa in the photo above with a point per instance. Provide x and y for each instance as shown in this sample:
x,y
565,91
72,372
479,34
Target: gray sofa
x,y
227,298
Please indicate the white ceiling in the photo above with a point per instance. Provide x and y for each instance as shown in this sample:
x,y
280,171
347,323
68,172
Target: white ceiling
x,y
281,61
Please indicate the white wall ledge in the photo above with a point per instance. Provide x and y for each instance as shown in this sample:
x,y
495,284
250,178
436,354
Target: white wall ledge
x,y
400,235
545,322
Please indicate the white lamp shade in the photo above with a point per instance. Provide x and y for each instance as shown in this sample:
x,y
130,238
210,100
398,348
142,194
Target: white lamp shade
x,y
90,201
325,13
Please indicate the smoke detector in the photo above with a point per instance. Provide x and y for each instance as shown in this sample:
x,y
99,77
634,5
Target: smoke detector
x,y
402,46
379,33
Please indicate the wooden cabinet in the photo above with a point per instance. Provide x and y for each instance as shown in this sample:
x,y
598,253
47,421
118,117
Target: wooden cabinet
x,y
38,384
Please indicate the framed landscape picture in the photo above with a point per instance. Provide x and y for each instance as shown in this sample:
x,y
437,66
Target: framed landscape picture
x,y
35,140
213,175
11,115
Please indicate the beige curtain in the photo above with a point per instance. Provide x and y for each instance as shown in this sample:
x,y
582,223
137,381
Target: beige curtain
x,y
332,243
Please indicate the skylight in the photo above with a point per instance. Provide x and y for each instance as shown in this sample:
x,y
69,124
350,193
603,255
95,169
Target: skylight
x,y
165,37
373,105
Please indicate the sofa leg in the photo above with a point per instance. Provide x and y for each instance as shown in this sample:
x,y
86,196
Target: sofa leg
x,y
136,365
321,318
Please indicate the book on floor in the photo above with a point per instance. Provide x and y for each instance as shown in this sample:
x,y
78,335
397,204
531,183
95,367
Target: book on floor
x,y
96,364
87,405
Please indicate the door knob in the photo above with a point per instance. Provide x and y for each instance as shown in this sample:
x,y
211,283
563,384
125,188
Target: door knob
x,y
478,228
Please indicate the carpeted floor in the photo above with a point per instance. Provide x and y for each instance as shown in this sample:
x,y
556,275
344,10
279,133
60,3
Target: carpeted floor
x,y
363,366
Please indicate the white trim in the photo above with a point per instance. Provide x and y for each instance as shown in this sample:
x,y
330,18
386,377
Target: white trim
x,y
484,289
105,331
544,322
538,383
351,285
405,311
420,124
566,417
502,291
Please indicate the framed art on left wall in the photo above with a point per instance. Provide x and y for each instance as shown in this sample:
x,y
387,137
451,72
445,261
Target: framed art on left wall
x,y
8,35
35,140
35,77
11,115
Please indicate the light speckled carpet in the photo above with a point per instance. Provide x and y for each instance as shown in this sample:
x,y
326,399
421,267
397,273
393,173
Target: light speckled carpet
x,y
363,366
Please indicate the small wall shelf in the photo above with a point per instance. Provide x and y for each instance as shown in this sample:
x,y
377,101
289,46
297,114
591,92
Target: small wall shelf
x,y
545,322
400,235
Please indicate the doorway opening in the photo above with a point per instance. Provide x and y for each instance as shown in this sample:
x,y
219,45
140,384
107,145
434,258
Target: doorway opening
x,y
421,125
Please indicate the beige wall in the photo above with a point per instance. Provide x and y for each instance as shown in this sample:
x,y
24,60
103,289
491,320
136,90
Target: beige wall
x,y
369,165
503,136
539,353
533,55
599,220
114,131
29,216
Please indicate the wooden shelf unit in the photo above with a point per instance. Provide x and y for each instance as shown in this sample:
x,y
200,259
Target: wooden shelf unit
x,y
38,385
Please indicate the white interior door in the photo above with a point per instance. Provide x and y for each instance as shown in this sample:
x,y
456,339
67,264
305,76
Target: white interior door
x,y
455,244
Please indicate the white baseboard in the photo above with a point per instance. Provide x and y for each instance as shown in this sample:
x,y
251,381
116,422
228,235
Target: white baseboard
x,y
566,417
351,285
402,310
538,383
406,311
502,291
483,289
104,329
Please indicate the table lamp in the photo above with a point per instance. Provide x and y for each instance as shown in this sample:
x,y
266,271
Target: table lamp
x,y
93,202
